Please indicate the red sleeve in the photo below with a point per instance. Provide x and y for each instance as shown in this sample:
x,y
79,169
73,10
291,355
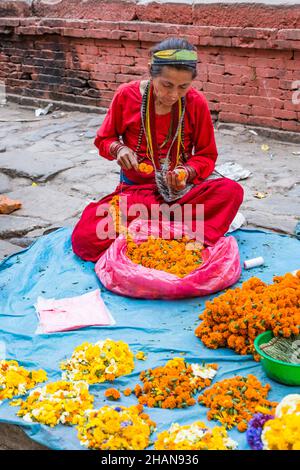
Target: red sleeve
x,y
205,150
111,127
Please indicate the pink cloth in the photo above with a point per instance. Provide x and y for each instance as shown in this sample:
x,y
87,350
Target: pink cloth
x,y
72,313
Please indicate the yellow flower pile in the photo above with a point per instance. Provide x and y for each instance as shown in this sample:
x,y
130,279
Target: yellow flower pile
x,y
196,436
179,257
16,380
283,432
95,363
57,402
116,428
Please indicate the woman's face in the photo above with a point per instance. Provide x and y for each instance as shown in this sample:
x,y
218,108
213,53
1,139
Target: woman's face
x,y
171,85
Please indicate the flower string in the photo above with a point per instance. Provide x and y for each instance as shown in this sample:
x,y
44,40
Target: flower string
x,y
237,317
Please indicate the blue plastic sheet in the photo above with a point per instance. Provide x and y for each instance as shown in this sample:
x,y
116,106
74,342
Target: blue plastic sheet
x,y
162,329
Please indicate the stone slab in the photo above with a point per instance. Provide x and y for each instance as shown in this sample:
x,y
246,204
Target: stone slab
x,y
36,166
7,249
15,226
48,204
5,184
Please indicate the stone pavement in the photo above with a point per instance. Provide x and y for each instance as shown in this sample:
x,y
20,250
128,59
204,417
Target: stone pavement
x,y
52,166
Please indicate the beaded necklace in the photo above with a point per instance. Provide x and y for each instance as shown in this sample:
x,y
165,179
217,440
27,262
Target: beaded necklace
x,y
145,129
174,156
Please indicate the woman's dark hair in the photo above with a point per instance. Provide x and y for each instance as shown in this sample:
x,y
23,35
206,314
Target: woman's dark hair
x,y
172,43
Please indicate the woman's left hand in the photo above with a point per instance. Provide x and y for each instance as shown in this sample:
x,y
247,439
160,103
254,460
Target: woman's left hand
x,y
177,179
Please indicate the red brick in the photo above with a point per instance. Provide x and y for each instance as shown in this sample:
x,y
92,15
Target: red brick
x,y
266,72
261,111
266,62
122,60
219,41
239,70
293,34
106,68
288,104
92,50
235,60
9,21
236,108
265,101
239,99
233,117
282,44
265,122
151,37
218,78
134,70
293,126
109,77
122,78
284,114
214,68
287,85
213,88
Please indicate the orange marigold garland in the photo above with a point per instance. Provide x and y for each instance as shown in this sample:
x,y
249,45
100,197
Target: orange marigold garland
x,y
237,317
174,384
233,401
178,257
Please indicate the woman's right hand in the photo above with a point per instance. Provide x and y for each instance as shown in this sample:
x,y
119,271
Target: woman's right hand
x,y
127,159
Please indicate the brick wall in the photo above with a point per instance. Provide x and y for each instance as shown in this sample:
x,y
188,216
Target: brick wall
x,y
248,74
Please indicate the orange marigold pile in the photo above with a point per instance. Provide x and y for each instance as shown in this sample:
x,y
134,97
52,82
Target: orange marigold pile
x,y
172,256
233,401
173,385
237,317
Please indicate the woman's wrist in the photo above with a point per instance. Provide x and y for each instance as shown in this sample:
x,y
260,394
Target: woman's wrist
x,y
191,173
115,147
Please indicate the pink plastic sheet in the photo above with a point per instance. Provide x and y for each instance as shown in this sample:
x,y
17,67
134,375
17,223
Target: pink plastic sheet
x,y
221,268
72,313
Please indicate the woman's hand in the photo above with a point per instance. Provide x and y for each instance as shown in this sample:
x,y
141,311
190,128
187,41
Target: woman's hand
x,y
127,159
177,178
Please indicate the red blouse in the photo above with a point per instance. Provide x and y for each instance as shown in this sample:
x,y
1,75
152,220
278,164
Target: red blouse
x,y
124,119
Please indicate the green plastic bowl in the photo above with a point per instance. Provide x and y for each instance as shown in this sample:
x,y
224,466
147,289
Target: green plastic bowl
x,y
283,372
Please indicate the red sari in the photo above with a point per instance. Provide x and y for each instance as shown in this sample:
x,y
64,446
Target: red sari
x,y
221,197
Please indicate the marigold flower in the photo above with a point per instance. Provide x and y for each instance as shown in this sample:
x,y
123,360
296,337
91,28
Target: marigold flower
x,y
112,394
140,355
145,168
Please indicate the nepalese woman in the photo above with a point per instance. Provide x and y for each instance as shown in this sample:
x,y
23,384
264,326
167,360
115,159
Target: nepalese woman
x,y
165,124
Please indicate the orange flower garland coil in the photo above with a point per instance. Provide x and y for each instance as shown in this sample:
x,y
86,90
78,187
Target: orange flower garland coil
x,y
237,317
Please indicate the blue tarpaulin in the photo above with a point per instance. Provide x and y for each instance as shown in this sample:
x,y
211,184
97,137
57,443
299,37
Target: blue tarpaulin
x,y
162,329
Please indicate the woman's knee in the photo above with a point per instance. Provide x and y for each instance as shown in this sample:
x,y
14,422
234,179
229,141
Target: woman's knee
x,y
231,190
